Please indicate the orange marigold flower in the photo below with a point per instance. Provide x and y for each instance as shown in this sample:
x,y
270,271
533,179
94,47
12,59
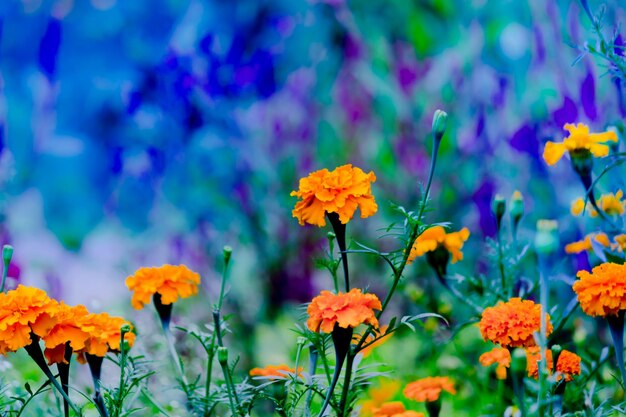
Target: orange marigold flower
x,y
344,309
436,237
68,328
533,356
104,335
378,395
395,409
513,323
585,244
170,281
340,191
498,355
578,141
23,311
279,371
603,291
428,389
568,364
612,204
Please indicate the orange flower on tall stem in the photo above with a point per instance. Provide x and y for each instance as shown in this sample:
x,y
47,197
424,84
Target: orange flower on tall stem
x,y
68,329
533,356
568,364
497,355
345,310
169,281
275,371
428,389
340,191
513,323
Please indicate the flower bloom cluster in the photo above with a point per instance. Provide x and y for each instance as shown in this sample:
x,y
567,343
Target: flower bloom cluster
x,y
603,291
344,310
578,141
274,371
436,237
395,409
611,204
169,281
340,191
498,355
27,310
567,365
512,323
428,389
533,356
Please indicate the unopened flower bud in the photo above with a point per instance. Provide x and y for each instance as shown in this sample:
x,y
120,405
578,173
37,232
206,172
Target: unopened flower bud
x,y
222,354
301,341
440,121
331,235
518,361
227,251
125,328
547,237
556,351
517,206
498,207
7,254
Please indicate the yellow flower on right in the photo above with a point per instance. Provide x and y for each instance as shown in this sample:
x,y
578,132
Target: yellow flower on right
x,y
603,291
579,141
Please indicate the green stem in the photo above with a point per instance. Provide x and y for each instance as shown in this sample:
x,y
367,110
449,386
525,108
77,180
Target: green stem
x,y
343,403
340,232
616,325
178,363
313,355
230,389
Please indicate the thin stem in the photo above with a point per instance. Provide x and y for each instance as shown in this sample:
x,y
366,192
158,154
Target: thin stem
x,y
343,403
500,263
209,371
152,401
178,363
340,232
313,354
616,325
232,395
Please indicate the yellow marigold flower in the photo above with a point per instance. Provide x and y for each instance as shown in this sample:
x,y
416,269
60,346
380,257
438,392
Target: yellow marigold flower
x,y
378,395
104,335
568,364
578,141
498,355
512,323
578,206
620,242
533,356
612,204
436,237
23,311
585,244
170,281
68,328
395,409
603,291
428,389
344,309
340,191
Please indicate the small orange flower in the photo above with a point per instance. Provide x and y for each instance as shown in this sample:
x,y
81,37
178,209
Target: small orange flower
x,y
579,141
378,395
395,409
568,364
533,356
23,311
340,191
428,389
344,309
279,371
498,355
513,323
170,281
67,328
585,244
104,335
436,237
603,291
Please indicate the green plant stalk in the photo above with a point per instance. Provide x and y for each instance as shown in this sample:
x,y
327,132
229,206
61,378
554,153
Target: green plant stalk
x,y
313,355
501,264
340,234
518,390
209,371
151,400
35,353
616,326
343,403
292,387
178,363
230,389
122,385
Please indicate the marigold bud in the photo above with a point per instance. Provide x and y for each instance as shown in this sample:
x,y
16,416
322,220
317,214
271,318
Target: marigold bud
x,y
517,205
125,328
498,207
440,121
228,251
222,354
518,361
7,254
547,237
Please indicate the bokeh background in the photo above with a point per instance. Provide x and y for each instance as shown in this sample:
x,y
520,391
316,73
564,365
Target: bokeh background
x,y
144,132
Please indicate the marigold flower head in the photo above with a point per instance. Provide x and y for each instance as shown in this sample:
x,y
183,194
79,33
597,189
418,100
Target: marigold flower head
x,y
169,281
22,311
340,191
395,409
428,389
104,335
533,356
579,141
378,395
498,355
568,364
612,204
344,309
68,328
603,291
586,243
436,237
512,323
278,371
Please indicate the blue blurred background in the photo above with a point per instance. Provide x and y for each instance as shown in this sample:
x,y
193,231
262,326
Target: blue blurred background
x,y
156,131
